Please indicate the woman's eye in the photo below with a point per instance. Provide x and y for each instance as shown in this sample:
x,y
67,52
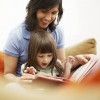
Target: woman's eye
x,y
43,11
54,13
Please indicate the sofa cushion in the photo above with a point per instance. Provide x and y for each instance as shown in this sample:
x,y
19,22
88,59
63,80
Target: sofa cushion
x,y
1,62
87,46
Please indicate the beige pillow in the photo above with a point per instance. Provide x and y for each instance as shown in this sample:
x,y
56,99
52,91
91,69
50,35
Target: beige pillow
x,y
87,46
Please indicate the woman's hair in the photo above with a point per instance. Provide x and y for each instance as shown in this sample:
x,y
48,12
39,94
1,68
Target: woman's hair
x,y
32,8
42,42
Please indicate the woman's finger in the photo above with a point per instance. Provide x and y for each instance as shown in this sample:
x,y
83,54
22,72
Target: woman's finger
x,y
81,59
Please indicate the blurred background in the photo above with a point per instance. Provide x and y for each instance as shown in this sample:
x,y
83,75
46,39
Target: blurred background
x,y
81,19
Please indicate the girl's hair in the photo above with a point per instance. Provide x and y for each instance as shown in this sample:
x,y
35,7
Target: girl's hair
x,y
42,42
32,8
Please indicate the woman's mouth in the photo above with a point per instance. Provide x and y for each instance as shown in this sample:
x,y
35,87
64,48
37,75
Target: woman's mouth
x,y
44,23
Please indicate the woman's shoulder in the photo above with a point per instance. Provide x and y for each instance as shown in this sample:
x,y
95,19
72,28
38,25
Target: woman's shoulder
x,y
58,28
18,28
58,31
19,31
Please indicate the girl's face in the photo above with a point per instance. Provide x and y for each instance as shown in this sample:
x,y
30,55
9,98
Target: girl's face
x,y
44,59
45,17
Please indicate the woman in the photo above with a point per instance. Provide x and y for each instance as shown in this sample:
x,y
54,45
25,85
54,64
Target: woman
x,y
41,14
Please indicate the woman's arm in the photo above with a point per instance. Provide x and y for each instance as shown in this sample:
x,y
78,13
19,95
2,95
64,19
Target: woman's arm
x,y
10,65
61,54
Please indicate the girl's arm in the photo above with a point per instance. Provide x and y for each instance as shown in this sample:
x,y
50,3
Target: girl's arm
x,y
68,65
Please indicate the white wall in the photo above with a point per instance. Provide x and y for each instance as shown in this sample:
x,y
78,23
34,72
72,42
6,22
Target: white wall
x,y
81,19
12,12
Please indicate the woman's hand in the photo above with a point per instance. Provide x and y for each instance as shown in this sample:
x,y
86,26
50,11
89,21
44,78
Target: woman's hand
x,y
27,78
78,60
83,59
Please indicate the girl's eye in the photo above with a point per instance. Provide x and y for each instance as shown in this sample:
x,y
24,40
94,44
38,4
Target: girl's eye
x,y
40,56
49,55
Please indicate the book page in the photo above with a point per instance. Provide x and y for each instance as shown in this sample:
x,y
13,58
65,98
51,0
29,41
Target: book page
x,y
83,70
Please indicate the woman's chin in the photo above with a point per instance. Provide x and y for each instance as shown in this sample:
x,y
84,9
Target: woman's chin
x,y
44,26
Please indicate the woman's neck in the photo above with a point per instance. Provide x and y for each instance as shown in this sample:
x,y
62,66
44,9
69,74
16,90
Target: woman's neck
x,y
39,28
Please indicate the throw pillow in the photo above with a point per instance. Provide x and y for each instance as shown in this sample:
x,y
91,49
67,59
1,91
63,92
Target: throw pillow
x,y
87,46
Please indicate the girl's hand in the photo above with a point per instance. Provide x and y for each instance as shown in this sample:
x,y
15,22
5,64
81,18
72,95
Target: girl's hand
x,y
30,70
69,61
68,64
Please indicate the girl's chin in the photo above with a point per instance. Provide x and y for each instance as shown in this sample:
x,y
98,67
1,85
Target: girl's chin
x,y
44,66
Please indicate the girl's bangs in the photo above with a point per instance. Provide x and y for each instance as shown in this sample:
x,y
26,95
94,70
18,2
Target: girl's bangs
x,y
45,49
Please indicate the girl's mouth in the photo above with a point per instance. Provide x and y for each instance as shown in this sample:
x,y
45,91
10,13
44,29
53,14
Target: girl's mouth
x,y
44,64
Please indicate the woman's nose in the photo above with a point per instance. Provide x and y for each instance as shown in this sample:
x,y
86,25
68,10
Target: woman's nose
x,y
48,17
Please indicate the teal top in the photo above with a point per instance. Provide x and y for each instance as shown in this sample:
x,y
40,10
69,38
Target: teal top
x,y
46,70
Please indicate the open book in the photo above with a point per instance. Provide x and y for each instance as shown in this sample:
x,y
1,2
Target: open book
x,y
50,79
83,70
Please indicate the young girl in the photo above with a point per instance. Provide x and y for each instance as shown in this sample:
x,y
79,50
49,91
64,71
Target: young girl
x,y
42,56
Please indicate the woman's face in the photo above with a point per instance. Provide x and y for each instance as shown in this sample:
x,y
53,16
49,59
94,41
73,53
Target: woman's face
x,y
45,17
44,59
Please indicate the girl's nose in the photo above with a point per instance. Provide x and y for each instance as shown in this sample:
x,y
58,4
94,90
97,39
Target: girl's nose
x,y
45,59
